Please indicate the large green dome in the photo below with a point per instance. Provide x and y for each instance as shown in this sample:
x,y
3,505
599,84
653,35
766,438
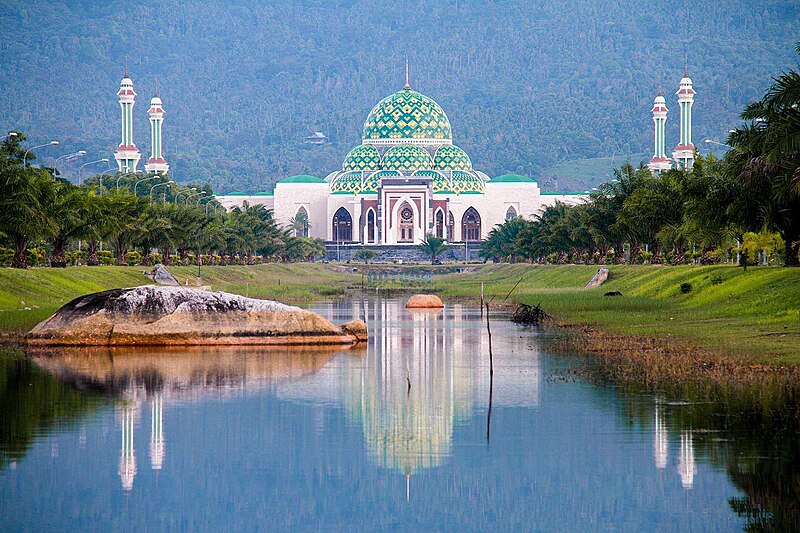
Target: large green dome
x,y
451,157
407,116
406,157
362,157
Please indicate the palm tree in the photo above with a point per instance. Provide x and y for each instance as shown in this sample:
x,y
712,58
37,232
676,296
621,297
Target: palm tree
x,y
432,246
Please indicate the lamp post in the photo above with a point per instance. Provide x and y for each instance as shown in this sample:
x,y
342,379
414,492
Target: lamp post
x,y
202,194
25,157
178,194
10,134
143,180
79,153
80,181
193,195
154,187
709,141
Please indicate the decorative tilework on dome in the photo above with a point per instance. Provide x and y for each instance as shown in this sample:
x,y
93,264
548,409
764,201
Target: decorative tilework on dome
x,y
440,181
451,157
466,182
362,157
372,181
407,114
347,182
406,157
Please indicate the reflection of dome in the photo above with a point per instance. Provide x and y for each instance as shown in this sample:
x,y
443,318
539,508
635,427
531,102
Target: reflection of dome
x,y
348,182
407,115
362,157
467,183
451,157
406,157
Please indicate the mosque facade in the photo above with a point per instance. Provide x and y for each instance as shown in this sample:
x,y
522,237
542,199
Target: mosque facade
x,y
405,181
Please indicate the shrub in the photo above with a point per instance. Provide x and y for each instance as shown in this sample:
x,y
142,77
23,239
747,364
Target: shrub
x,y
6,256
686,288
717,279
106,257
134,258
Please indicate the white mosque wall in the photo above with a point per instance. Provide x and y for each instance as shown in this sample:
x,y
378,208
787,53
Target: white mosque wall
x,y
290,197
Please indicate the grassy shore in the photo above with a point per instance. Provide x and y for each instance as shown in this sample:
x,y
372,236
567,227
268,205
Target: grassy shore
x,y
752,317
29,296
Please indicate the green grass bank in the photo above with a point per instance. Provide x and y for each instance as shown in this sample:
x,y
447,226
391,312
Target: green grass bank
x,y
753,316
29,296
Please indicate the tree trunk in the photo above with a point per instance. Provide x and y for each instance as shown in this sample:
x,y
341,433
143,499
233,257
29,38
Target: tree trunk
x,y
792,249
20,252
184,252
92,257
166,256
121,249
59,257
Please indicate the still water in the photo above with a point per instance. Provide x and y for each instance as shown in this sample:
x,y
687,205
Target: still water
x,y
335,440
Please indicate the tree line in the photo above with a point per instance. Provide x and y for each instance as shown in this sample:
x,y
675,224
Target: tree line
x,y
745,205
46,220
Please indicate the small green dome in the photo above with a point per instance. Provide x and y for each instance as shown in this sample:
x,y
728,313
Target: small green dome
x,y
466,182
406,157
362,157
263,193
302,178
406,114
237,193
511,178
451,157
347,182
372,181
440,182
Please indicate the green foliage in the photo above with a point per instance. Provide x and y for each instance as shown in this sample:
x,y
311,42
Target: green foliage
x,y
686,288
365,254
433,247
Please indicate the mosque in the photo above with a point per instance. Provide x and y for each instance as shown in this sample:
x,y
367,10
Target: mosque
x,y
405,180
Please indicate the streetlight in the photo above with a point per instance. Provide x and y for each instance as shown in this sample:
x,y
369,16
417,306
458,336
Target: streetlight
x,y
102,181
195,194
709,141
154,187
73,155
10,134
25,157
143,180
104,160
178,194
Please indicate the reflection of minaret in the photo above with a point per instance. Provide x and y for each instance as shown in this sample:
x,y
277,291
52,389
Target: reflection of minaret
x,y
686,461
127,458
660,441
157,432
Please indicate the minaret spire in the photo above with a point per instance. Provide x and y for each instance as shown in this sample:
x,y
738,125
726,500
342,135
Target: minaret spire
x,y
156,163
127,155
684,152
408,85
659,162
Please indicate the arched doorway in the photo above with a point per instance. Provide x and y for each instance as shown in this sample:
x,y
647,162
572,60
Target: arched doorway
x,y
370,226
440,224
342,226
471,225
405,228
511,214
300,223
451,227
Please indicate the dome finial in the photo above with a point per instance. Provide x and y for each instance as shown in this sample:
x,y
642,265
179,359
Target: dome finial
x,y
126,67
408,85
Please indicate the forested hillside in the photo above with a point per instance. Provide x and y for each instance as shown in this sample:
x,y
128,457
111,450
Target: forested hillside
x,y
526,85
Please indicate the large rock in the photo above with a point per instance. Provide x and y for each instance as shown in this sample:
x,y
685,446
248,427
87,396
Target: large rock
x,y
163,316
424,301
598,279
162,276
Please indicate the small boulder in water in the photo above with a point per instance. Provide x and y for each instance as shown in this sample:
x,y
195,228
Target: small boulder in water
x,y
424,301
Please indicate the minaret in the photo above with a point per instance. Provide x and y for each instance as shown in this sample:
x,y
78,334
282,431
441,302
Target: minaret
x,y
127,155
684,152
659,161
156,163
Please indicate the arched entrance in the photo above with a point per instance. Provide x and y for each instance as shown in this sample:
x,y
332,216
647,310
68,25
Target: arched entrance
x,y
300,223
471,225
342,225
405,227
440,224
370,226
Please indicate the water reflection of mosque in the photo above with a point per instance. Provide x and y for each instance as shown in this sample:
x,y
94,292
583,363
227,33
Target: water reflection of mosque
x,y
686,464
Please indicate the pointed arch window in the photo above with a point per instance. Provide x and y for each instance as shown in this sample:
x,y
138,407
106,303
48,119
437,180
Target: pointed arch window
x,y
451,227
405,230
471,225
440,224
300,223
342,225
371,225
511,213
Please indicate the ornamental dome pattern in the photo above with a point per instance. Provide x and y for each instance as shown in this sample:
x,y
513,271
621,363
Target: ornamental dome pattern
x,y
466,182
451,157
406,158
407,115
347,182
372,181
440,182
363,157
